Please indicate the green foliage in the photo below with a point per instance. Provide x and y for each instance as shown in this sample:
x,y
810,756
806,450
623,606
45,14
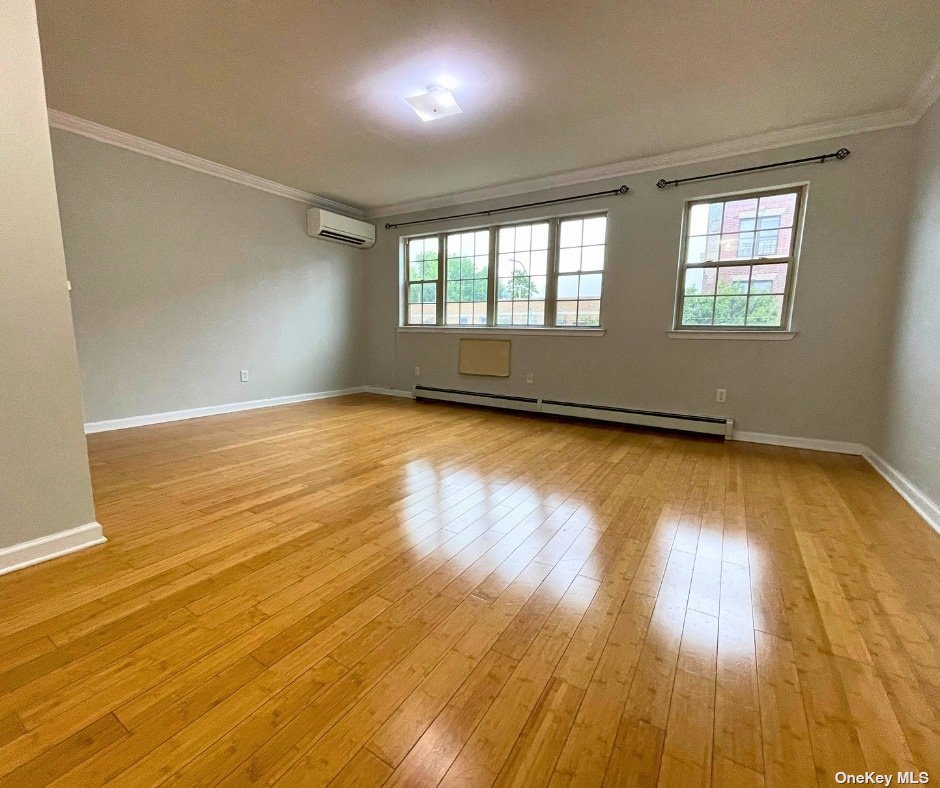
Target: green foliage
x,y
731,307
763,311
423,267
466,283
520,287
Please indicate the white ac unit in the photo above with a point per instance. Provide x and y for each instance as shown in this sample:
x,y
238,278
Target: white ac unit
x,y
342,229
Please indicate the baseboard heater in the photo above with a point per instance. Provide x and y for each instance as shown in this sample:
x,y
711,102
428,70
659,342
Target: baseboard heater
x,y
709,425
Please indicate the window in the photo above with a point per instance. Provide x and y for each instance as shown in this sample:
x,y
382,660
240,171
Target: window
x,y
767,235
468,265
580,271
738,261
543,274
522,275
423,263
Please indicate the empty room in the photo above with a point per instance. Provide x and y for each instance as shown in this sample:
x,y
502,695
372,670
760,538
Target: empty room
x,y
469,393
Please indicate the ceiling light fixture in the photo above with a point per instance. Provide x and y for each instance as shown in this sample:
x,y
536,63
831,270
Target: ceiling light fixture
x,y
436,102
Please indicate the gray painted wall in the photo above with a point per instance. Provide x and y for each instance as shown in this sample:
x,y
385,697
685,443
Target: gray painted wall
x,y
910,440
180,280
825,383
44,480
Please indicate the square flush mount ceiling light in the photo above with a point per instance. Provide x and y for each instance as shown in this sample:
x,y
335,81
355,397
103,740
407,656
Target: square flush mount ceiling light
x,y
436,103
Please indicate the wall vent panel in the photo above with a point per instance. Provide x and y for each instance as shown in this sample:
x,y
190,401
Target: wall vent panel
x,y
488,357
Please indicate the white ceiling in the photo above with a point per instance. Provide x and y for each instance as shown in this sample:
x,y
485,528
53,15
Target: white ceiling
x,y
311,94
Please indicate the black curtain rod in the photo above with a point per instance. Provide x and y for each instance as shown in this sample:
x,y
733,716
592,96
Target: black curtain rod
x,y
621,190
839,154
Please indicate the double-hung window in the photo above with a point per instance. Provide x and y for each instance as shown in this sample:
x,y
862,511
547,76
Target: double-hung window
x,y
522,274
423,285
580,271
547,273
738,261
467,271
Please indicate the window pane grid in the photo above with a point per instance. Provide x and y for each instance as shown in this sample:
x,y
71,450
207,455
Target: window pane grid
x,y
421,287
522,274
507,275
734,229
729,296
738,260
467,263
582,245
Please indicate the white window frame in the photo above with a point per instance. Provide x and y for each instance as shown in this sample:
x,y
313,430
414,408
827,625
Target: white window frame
x,y
792,259
406,281
551,286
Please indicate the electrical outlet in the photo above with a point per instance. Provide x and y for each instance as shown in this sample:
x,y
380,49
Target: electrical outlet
x,y
417,371
244,376
721,395
529,378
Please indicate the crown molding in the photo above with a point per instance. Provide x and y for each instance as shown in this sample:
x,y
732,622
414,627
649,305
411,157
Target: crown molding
x,y
921,99
121,139
926,92
720,150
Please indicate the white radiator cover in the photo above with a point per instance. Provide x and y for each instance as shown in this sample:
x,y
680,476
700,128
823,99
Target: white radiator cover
x,y
708,425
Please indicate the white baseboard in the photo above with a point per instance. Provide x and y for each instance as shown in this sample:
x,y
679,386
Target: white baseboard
x,y
25,554
925,507
815,444
212,410
388,392
918,500
920,503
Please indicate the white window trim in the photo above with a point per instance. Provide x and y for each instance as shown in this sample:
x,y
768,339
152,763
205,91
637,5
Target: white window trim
x,y
736,334
567,331
785,330
552,274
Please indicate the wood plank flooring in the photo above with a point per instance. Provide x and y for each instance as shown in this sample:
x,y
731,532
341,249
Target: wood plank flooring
x,y
367,591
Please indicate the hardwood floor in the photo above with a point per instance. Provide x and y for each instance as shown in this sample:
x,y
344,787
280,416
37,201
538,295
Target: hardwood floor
x,y
369,591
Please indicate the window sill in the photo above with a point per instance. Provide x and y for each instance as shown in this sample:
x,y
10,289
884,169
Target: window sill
x,y
778,336
507,331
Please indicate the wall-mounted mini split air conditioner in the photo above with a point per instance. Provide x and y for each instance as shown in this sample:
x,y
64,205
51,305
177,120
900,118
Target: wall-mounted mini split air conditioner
x,y
341,229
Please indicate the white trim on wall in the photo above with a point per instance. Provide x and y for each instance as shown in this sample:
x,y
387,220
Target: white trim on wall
x,y
920,503
24,554
778,336
920,100
926,92
503,331
926,508
388,392
794,442
212,410
121,139
722,150
918,500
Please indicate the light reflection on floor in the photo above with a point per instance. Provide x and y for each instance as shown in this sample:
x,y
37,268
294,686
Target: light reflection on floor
x,y
477,515
498,518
